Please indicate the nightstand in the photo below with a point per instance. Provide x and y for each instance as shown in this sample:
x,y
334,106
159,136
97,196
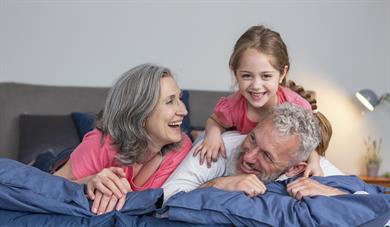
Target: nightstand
x,y
384,181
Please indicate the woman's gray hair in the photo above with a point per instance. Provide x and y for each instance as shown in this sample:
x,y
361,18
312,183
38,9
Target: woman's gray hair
x,y
290,120
130,101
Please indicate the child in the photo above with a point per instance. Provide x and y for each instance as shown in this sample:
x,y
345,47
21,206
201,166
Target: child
x,y
260,64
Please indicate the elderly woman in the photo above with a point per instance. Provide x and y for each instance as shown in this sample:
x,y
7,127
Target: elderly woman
x,y
138,143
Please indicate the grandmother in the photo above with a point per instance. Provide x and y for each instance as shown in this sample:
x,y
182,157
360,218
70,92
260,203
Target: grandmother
x,y
138,142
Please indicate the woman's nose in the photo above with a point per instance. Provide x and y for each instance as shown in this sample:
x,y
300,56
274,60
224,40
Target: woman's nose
x,y
182,110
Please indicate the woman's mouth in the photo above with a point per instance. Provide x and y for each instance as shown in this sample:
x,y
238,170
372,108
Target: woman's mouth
x,y
175,124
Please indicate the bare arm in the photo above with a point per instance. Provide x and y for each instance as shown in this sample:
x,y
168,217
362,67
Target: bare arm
x,y
213,143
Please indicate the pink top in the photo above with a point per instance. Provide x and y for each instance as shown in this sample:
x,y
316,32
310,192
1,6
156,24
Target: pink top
x,y
90,157
232,110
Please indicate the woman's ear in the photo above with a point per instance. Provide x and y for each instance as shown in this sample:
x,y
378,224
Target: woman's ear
x,y
296,169
283,75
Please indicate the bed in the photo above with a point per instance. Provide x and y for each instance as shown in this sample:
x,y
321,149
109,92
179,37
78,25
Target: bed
x,y
30,197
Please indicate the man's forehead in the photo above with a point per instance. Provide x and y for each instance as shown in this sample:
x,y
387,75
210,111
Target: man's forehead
x,y
275,141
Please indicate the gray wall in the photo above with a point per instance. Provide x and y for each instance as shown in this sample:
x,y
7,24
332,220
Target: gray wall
x,y
336,48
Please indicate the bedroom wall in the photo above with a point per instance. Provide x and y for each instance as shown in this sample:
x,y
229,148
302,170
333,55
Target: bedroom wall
x,y
336,48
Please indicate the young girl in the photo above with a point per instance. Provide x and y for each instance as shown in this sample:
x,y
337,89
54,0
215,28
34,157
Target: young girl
x,y
260,64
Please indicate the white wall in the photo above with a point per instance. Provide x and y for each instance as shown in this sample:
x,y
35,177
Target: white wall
x,y
336,48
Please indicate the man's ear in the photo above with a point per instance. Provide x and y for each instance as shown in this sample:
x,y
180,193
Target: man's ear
x,y
296,169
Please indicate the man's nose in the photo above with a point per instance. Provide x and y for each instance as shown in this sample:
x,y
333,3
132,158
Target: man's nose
x,y
251,155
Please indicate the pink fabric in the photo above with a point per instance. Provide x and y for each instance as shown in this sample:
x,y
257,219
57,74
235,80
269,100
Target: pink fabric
x,y
90,157
232,110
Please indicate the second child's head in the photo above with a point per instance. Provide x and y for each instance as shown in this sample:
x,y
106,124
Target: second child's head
x,y
260,64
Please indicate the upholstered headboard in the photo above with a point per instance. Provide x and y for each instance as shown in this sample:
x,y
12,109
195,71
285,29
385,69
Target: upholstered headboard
x,y
17,99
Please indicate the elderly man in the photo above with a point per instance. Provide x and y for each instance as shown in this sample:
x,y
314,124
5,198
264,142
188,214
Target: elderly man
x,y
277,148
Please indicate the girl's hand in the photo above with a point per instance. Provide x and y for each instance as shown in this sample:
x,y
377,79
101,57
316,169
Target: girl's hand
x,y
104,203
210,148
308,187
108,182
313,167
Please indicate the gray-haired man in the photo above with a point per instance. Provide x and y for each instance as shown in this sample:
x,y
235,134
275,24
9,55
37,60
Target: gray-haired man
x,y
277,148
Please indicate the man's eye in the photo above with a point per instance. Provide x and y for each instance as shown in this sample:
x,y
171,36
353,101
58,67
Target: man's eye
x,y
267,156
252,139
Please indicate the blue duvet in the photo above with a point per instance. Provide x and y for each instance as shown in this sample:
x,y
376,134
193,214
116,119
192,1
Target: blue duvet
x,y
277,208
30,197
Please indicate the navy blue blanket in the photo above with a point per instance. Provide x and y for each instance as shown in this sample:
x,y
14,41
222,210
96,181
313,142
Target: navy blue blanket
x,y
277,208
30,197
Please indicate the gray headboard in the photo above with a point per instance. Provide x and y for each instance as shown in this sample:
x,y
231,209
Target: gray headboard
x,y
17,99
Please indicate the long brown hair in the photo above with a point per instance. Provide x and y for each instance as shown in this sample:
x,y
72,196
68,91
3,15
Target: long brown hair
x,y
325,125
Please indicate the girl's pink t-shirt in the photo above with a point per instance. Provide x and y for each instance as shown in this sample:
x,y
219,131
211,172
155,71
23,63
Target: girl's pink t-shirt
x,y
91,156
232,110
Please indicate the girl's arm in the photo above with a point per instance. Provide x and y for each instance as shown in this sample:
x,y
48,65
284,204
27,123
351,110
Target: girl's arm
x,y
213,143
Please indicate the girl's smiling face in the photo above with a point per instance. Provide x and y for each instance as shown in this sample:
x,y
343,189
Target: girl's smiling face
x,y
258,80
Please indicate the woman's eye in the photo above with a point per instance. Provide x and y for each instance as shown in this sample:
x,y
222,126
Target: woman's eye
x,y
170,101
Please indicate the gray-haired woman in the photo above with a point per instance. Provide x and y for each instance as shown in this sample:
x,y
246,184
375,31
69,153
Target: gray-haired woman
x,y
138,143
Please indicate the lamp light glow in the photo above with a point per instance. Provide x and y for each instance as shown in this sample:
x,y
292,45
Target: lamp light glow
x,y
369,99
364,101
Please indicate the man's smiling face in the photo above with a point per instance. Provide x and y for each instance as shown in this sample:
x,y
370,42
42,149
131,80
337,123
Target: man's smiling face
x,y
266,153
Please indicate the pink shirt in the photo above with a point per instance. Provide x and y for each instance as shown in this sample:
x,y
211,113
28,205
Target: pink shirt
x,y
90,157
232,110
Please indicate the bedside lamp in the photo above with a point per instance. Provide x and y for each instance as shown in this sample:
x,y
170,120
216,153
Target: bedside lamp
x,y
369,99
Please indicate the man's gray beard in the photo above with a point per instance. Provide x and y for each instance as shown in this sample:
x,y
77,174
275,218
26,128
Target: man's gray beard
x,y
233,168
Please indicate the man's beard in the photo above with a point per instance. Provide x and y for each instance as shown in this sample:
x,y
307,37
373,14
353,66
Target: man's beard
x,y
233,168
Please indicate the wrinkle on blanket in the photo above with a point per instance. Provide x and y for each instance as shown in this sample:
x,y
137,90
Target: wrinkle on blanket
x,y
27,189
277,208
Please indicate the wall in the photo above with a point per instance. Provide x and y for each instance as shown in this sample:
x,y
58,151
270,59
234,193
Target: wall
x,y
336,48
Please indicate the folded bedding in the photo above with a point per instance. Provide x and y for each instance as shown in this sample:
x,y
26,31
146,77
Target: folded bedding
x,y
277,208
30,197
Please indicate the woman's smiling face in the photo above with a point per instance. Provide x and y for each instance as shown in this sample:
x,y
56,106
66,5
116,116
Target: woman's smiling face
x,y
163,125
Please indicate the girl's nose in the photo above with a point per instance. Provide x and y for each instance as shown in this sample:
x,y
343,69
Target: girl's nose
x,y
257,83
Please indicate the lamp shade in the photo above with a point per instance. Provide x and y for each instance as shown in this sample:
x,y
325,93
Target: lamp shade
x,y
368,98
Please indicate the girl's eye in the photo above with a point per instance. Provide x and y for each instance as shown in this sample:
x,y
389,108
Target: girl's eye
x,y
246,76
267,76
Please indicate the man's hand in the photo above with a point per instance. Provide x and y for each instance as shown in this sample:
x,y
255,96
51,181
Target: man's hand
x,y
247,183
308,187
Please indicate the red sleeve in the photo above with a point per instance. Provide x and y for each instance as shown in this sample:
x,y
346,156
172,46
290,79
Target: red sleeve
x,y
223,111
288,95
91,156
